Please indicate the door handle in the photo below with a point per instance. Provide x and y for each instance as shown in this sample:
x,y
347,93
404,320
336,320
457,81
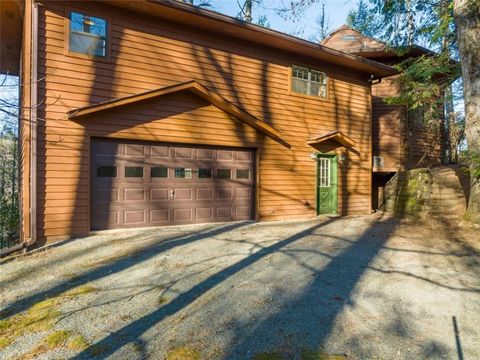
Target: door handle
x,y
172,193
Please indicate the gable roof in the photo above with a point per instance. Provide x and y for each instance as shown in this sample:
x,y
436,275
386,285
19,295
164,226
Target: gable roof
x,y
214,22
368,47
335,136
193,87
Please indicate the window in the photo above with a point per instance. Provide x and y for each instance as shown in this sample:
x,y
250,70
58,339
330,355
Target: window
x,y
309,82
349,37
243,174
378,161
183,173
204,173
107,171
133,171
416,117
159,172
324,172
224,173
88,35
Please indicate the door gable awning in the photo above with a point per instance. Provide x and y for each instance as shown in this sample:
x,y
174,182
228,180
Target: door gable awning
x,y
194,87
332,140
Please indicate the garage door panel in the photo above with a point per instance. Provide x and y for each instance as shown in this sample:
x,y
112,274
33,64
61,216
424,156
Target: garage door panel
x,y
224,212
136,216
134,150
183,194
204,193
243,193
182,215
204,154
141,184
159,194
160,215
225,155
104,148
245,156
183,153
242,213
160,152
224,193
204,214
134,195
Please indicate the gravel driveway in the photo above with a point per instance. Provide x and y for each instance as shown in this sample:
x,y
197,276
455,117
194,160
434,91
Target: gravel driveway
x,y
365,287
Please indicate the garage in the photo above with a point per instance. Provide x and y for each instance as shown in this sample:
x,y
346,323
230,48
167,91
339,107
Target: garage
x,y
148,184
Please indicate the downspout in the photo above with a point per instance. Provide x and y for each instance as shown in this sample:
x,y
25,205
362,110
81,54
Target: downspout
x,y
33,129
33,136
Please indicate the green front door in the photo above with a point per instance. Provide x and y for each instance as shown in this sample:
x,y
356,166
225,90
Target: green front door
x,y
327,184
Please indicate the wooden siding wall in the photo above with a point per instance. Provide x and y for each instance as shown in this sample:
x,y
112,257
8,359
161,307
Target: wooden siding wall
x,y
147,54
403,144
388,131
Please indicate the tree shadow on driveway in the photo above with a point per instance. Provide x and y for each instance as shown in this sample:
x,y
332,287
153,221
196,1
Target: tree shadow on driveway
x,y
117,265
324,298
305,321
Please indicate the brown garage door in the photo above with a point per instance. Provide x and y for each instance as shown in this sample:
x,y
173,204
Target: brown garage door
x,y
141,184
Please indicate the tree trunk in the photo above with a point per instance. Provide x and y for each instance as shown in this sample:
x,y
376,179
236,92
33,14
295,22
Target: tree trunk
x,y
410,22
467,21
248,11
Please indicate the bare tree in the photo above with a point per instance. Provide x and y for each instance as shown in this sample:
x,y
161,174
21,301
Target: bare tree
x,y
323,28
9,215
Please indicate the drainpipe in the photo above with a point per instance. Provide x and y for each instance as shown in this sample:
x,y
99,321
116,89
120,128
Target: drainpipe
x,y
33,135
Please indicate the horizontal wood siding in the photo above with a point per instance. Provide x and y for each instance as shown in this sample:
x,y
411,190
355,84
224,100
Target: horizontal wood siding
x,y
148,54
388,127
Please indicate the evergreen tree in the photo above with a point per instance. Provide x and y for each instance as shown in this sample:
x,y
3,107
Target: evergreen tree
x,y
365,20
199,3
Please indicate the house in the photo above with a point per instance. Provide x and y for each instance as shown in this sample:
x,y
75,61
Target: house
x,y
155,112
400,139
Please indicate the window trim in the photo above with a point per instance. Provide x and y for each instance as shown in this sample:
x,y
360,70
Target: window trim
x,y
293,93
108,51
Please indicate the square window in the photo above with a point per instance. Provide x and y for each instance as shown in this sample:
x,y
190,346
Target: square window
x,y
183,173
159,172
224,173
308,82
107,171
204,173
88,35
133,171
243,174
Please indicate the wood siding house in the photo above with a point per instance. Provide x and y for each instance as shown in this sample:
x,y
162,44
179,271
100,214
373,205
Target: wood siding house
x,y
148,113
400,140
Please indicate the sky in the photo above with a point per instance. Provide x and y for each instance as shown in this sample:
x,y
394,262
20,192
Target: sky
x,y
336,10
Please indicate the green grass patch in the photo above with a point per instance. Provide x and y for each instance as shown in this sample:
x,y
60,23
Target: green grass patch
x,y
78,342
183,353
81,290
39,317
57,339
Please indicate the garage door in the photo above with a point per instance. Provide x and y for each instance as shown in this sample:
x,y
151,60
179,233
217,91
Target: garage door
x,y
141,184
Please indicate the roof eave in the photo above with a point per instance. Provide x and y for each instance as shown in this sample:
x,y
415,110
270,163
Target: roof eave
x,y
263,35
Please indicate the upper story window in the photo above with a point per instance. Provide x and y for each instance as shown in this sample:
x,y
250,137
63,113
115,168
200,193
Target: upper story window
x,y
88,35
308,81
